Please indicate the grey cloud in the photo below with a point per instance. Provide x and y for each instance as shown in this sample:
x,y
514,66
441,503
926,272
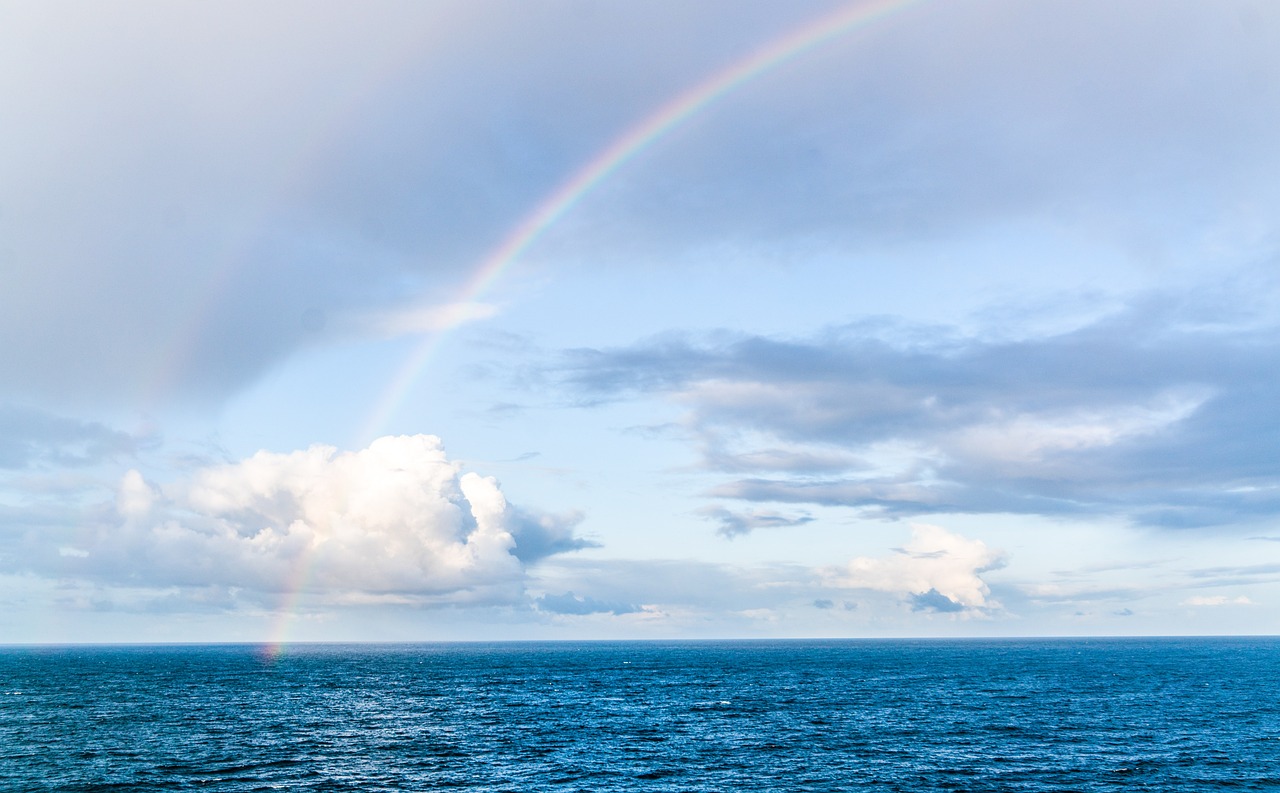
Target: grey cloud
x,y
933,600
194,194
1239,574
1165,412
720,454
1084,114
826,603
540,536
734,524
569,603
31,437
897,496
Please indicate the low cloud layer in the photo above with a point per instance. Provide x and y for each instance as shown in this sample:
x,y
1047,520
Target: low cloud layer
x,y
571,604
936,572
1164,413
396,519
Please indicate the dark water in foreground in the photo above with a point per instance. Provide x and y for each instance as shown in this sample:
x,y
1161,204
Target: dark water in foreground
x,y
1035,715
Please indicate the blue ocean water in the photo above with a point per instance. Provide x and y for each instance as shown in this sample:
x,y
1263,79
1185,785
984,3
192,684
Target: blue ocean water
x,y
975,715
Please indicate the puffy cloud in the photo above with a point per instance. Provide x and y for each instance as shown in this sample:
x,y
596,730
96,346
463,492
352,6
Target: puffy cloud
x,y
135,497
937,571
396,519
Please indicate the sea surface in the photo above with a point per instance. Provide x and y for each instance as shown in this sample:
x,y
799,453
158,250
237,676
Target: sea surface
x,y
975,715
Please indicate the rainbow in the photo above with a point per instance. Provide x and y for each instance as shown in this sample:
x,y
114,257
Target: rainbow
x,y
554,205
622,150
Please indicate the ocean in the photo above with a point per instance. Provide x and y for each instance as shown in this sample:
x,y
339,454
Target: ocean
x,y
1167,714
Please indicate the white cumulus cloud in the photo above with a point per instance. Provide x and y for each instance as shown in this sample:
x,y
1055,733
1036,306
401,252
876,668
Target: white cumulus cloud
x,y
395,519
937,570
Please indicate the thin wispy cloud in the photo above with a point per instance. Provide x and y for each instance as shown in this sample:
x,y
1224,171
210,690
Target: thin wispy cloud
x,y
733,524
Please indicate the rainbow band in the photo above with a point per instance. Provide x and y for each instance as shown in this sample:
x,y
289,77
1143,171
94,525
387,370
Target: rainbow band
x,y
614,156
562,199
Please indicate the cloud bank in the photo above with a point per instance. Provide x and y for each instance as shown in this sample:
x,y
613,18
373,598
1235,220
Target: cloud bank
x,y
180,178
396,519
1165,413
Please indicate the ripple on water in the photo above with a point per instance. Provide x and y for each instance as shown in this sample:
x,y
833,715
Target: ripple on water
x,y
1107,715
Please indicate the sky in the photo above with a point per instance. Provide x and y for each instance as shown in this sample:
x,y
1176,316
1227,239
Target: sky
x,y
404,321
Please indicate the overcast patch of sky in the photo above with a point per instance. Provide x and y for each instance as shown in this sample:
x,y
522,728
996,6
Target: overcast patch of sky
x,y
253,175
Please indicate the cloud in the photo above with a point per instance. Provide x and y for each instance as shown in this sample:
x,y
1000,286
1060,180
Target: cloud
x,y
933,600
184,179
1163,412
734,524
35,438
1217,600
1075,593
959,121
541,535
936,571
569,603
396,519
1231,575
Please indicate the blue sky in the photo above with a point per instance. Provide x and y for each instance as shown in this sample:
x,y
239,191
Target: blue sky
x,y
960,322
